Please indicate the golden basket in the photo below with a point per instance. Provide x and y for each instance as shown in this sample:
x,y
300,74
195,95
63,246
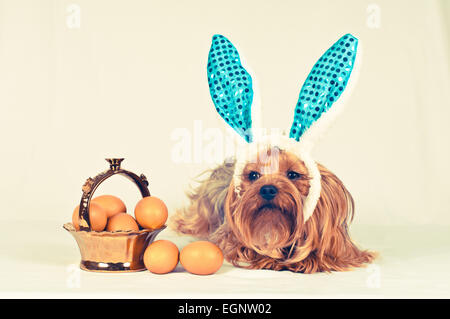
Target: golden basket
x,y
104,251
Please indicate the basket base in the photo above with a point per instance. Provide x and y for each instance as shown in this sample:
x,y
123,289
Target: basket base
x,y
111,267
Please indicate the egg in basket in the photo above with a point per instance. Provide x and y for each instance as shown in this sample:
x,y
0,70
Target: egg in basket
x,y
109,239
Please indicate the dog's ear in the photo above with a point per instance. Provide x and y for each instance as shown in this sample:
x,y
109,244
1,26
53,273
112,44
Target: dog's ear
x,y
230,86
335,203
334,249
325,89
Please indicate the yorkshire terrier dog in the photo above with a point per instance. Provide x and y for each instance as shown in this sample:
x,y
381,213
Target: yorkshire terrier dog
x,y
277,209
262,226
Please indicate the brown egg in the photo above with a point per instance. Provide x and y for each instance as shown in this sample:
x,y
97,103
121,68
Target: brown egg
x,y
97,217
201,258
161,257
151,212
111,204
123,222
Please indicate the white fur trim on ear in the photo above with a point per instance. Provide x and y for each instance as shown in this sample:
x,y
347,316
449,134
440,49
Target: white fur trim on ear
x,y
315,187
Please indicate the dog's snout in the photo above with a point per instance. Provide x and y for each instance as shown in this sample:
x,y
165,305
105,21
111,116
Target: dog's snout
x,y
268,192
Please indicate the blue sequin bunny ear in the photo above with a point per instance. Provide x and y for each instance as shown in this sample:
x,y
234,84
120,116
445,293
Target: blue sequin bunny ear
x,y
324,85
230,86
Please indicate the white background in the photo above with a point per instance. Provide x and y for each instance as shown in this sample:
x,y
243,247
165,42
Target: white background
x,y
134,72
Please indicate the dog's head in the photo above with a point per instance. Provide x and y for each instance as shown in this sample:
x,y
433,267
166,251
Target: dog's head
x,y
266,214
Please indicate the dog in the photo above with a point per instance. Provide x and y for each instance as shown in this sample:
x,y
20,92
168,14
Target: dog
x,y
262,227
277,208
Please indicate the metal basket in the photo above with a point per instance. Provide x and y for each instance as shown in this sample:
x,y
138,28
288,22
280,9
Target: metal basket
x,y
104,251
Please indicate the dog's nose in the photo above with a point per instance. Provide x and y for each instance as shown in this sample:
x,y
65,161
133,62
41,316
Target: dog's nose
x,y
268,192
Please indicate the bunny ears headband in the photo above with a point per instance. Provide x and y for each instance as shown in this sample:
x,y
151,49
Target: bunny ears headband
x,y
321,97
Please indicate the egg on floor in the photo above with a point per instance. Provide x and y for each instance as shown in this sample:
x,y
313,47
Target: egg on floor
x,y
111,204
201,258
161,257
122,222
97,217
151,212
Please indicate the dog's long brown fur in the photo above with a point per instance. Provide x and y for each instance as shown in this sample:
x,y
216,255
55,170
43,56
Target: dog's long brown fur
x,y
274,238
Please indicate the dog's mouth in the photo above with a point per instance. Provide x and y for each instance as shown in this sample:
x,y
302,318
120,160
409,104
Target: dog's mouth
x,y
268,206
273,208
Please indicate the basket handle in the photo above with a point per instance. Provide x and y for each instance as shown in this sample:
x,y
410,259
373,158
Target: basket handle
x,y
91,185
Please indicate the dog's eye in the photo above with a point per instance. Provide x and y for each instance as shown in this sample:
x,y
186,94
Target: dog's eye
x,y
253,176
293,175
